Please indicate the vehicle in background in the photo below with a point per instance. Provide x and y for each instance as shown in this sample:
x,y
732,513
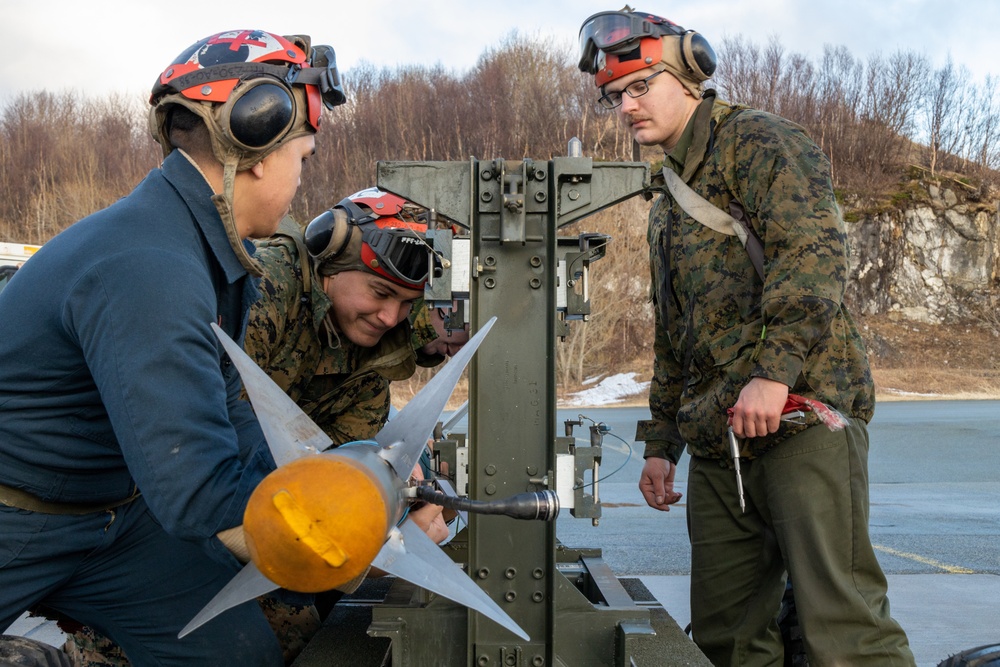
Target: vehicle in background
x,y
12,256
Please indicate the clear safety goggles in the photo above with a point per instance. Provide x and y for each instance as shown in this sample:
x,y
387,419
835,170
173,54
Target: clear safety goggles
x,y
618,33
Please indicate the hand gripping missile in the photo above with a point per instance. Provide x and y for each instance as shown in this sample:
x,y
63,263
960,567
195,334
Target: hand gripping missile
x,y
322,518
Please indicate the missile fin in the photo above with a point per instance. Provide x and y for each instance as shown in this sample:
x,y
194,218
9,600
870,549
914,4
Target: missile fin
x,y
412,556
289,432
403,438
249,583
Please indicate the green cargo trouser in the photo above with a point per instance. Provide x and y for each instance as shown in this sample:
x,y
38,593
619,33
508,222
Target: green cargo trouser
x,y
807,513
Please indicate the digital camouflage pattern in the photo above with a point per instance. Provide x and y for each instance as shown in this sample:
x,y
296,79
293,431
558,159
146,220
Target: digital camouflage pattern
x,y
344,388
87,648
293,624
710,306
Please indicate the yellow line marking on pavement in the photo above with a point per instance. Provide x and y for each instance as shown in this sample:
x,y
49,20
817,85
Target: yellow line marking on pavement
x,y
952,569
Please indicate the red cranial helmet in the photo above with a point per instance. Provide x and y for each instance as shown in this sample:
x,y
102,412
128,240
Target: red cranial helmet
x,y
375,231
616,44
254,89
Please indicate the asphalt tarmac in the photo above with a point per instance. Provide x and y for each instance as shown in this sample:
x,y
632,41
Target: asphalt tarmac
x,y
935,520
935,523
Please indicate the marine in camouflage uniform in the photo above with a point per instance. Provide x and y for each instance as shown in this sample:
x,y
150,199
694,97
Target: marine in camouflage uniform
x,y
293,624
343,387
710,306
720,330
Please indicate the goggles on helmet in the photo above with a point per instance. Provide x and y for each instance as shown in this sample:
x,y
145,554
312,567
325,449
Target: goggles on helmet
x,y
323,69
618,33
210,69
392,242
398,252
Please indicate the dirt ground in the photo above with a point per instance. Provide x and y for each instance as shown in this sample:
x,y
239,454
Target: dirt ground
x,y
915,361
910,361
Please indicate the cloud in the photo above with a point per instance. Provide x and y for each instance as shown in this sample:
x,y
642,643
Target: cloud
x,y
102,46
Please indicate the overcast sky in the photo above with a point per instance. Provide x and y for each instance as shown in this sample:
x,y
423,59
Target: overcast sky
x,y
96,47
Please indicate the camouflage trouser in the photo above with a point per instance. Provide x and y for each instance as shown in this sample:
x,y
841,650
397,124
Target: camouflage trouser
x,y
294,625
87,648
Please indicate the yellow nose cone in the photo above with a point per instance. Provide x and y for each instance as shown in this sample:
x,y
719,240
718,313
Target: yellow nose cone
x,y
316,523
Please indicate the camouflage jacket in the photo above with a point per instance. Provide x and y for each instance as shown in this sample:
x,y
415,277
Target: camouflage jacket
x,y
711,308
343,387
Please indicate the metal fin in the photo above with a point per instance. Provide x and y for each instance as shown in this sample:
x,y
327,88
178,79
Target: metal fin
x,y
410,555
289,432
249,583
463,410
403,438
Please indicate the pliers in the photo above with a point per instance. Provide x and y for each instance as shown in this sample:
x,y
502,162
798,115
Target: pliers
x,y
794,410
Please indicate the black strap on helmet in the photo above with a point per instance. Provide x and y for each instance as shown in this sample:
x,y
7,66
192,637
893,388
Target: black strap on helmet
x,y
325,76
619,32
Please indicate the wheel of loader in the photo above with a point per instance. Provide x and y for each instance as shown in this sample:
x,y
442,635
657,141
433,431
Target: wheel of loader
x,y
981,656
23,652
791,632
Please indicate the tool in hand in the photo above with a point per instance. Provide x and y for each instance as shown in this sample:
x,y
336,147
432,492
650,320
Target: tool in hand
x,y
795,408
797,405
734,448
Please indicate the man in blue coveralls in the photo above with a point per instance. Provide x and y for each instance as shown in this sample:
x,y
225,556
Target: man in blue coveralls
x,y
126,456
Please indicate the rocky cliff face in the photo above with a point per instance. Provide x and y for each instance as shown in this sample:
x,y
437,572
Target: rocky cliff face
x,y
926,257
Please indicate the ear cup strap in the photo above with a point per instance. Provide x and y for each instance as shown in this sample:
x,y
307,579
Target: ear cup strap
x,y
224,205
341,233
217,118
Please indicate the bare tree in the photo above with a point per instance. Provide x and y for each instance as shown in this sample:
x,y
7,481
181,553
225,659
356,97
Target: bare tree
x,y
63,156
941,111
740,69
987,147
981,121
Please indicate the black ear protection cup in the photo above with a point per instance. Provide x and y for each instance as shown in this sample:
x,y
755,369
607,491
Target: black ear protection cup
x,y
328,235
259,112
698,55
261,115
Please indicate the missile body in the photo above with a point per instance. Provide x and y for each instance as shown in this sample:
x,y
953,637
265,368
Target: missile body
x,y
324,517
318,522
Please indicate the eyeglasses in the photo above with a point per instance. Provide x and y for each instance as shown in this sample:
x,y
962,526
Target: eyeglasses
x,y
633,90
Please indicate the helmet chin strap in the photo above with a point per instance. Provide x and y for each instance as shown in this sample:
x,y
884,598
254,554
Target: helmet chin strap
x,y
224,205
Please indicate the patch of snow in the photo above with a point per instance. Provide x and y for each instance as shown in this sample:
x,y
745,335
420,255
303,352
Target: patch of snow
x,y
612,389
900,392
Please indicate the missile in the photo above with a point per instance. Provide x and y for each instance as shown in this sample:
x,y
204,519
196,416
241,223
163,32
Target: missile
x,y
323,518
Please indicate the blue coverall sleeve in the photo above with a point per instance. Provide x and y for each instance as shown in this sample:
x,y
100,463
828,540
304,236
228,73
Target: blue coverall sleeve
x,y
194,450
